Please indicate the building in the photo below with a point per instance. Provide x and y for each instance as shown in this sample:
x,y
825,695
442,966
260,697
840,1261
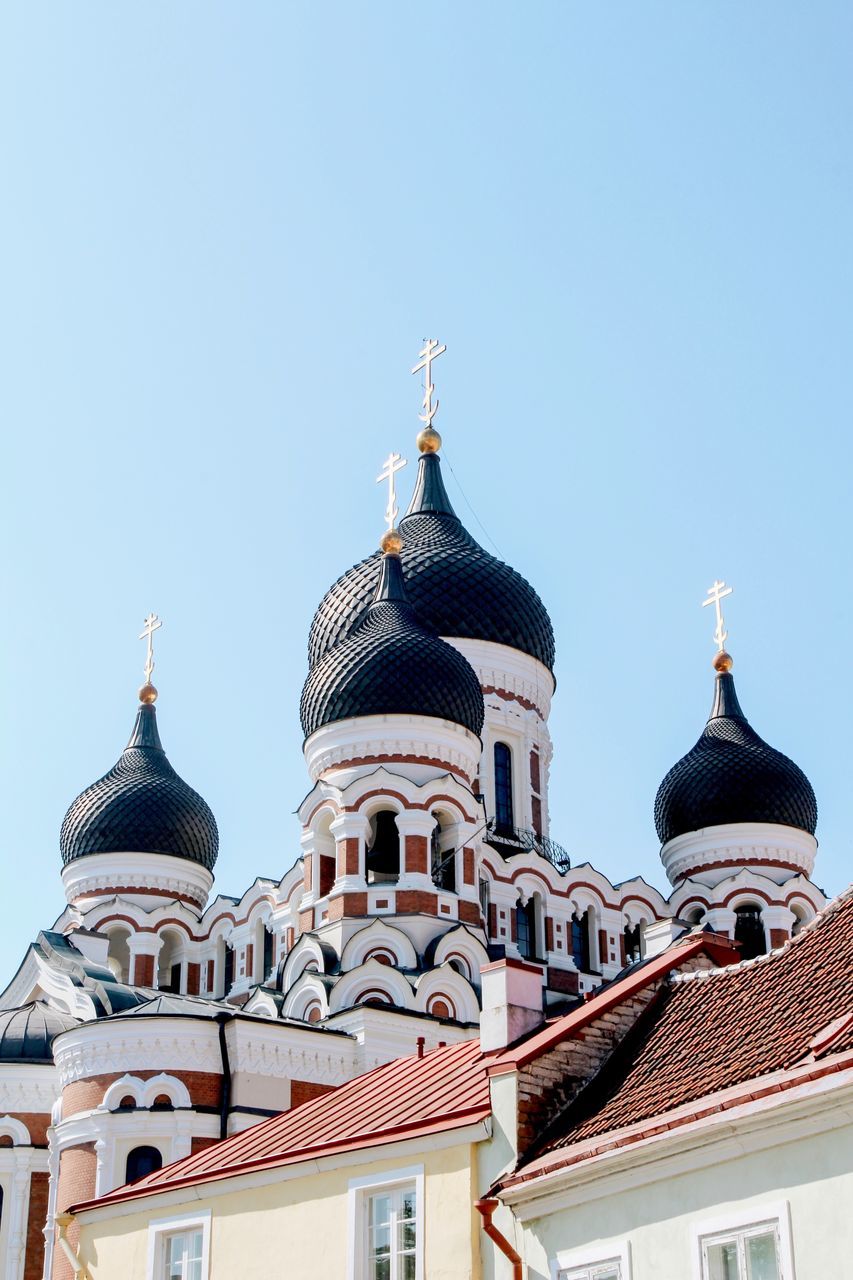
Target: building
x,y
692,1118
716,1141
154,1018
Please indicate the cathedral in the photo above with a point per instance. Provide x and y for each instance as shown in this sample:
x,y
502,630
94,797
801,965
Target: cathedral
x,y
155,1017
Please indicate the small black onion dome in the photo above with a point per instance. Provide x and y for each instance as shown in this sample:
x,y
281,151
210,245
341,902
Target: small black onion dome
x,y
455,586
391,665
732,775
141,806
26,1034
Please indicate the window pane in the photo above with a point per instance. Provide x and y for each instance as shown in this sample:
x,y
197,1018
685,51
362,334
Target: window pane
x,y
406,1270
380,1269
722,1261
175,1257
761,1257
409,1203
380,1210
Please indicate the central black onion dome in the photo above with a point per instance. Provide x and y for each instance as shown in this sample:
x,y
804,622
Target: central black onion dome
x,y
26,1034
391,664
141,806
732,775
455,586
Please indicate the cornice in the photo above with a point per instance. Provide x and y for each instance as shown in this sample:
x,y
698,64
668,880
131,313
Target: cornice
x,y
125,873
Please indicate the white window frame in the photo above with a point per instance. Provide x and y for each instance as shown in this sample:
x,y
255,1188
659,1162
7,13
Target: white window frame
x,y
358,1192
162,1228
618,1253
776,1214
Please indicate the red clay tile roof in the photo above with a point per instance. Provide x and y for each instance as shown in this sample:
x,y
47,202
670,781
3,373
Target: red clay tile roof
x,y
446,1089
719,949
716,1029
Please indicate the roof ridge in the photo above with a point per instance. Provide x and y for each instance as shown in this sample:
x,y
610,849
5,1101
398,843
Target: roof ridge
x,y
825,912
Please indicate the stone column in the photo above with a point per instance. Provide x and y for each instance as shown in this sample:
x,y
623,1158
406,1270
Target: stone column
x,y
415,827
778,923
721,920
144,949
350,834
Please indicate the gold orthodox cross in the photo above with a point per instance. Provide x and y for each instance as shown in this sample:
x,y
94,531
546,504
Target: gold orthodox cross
x,y
392,464
152,623
431,351
716,593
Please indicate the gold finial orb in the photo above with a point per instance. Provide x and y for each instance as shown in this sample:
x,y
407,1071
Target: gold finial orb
x,y
391,542
723,661
147,695
428,441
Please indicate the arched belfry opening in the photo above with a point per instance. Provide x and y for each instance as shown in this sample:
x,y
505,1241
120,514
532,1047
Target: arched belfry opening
x,y
749,931
383,849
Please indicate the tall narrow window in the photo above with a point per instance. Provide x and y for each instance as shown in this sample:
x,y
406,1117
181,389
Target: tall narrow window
x,y
443,861
749,931
392,1234
580,942
269,948
633,944
228,976
525,929
141,1161
503,788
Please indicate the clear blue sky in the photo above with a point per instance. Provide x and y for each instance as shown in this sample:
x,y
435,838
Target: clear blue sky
x,y
225,229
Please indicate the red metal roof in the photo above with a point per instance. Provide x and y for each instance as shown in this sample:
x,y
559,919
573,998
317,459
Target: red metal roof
x,y
446,1089
716,1030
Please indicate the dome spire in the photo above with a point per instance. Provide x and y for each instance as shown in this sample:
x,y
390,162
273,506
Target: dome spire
x,y
148,694
429,441
716,593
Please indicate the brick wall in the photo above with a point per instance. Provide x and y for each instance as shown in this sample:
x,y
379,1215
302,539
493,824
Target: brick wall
x,y
304,1090
412,901
143,971
84,1095
548,1083
347,852
77,1169
36,1122
37,1216
416,854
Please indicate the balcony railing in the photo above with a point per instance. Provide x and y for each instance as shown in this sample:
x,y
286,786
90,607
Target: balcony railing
x,y
525,840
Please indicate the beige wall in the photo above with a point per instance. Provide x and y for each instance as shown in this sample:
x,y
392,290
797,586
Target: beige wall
x,y
299,1227
813,1174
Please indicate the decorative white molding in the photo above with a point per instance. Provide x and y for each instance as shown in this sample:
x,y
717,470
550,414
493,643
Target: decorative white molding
x,y
28,1088
743,842
500,667
291,1053
369,737
86,880
113,1047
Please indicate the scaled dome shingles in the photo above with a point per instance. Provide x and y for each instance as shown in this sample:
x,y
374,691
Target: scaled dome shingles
x,y
732,775
392,665
141,806
454,585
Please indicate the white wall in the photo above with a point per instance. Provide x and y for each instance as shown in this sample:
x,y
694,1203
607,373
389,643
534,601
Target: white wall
x,y
813,1175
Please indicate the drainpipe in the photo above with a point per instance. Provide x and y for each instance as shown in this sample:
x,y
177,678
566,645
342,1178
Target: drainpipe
x,y
487,1208
225,1104
63,1221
